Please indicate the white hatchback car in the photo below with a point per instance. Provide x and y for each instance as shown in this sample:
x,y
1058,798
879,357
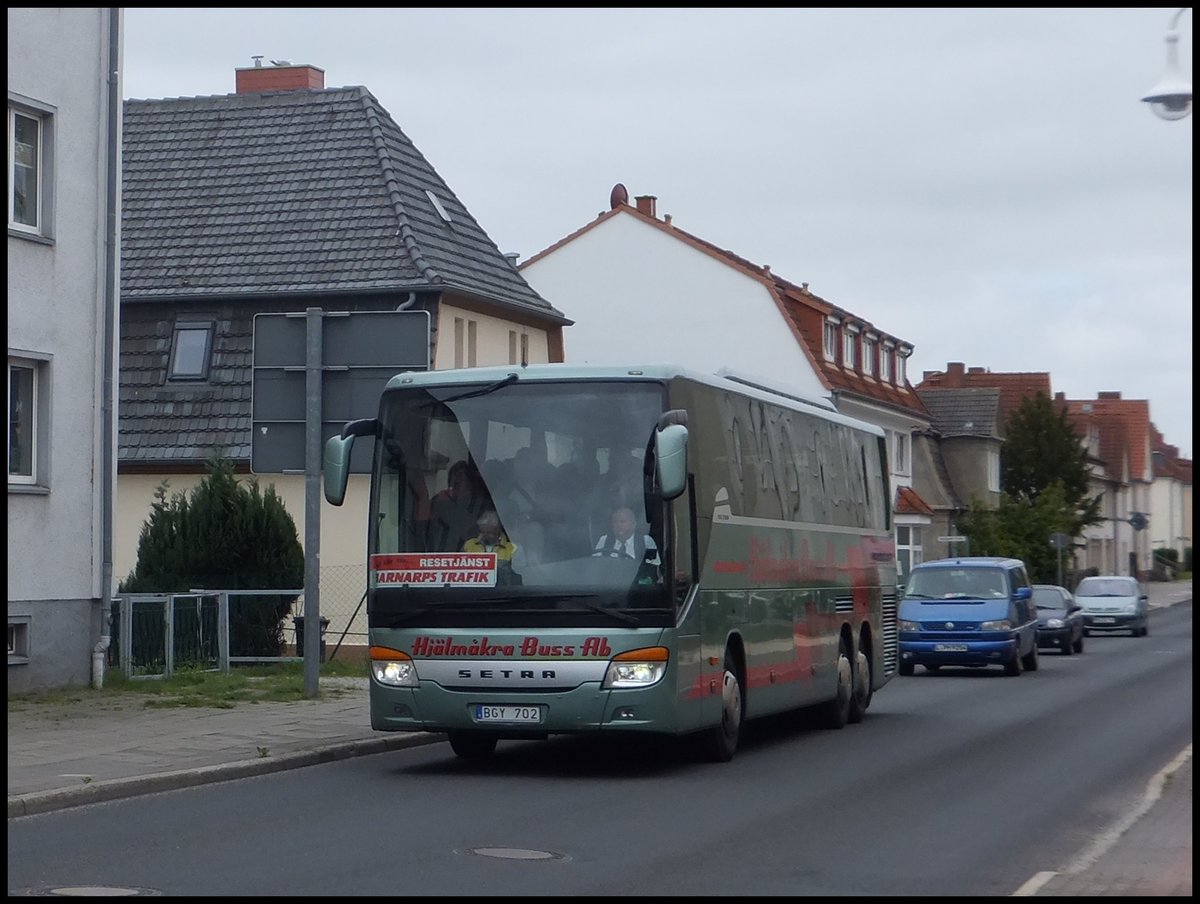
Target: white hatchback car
x,y
1113,602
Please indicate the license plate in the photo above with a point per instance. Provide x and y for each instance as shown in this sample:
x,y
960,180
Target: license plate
x,y
523,714
949,648
1103,620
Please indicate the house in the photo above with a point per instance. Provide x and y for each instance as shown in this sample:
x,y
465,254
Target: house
x,y
1117,435
1170,498
282,196
64,90
642,289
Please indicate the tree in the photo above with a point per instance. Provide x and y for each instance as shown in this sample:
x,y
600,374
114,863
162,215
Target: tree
x,y
226,536
1020,529
1041,450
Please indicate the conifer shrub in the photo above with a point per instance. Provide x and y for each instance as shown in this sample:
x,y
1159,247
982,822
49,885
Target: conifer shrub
x,y
226,535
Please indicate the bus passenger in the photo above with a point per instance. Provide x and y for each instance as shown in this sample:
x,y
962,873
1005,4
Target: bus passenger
x,y
491,538
453,511
622,543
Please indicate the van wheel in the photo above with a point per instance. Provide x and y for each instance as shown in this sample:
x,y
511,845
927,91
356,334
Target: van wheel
x,y
1013,666
836,712
472,745
1030,662
719,742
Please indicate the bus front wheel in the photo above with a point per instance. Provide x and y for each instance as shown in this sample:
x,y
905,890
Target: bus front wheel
x,y
719,742
472,745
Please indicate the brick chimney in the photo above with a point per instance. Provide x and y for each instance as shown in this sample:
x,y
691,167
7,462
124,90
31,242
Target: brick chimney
x,y
279,76
647,204
1111,396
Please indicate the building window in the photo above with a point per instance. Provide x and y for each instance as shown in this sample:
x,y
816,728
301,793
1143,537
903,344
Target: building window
x,y
26,417
830,345
909,551
901,361
18,639
868,355
191,351
518,348
849,348
993,470
465,342
900,453
885,364
28,144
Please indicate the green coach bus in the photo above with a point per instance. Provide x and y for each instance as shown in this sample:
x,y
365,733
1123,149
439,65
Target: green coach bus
x,y
760,576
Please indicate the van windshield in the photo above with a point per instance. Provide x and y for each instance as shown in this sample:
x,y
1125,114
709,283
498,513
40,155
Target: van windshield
x,y
957,584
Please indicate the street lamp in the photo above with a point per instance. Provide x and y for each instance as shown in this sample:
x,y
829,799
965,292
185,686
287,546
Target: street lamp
x,y
1171,98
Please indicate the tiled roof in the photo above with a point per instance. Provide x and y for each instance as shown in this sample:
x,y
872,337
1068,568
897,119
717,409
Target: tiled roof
x,y
803,311
909,502
1166,460
1124,426
964,412
1013,387
293,192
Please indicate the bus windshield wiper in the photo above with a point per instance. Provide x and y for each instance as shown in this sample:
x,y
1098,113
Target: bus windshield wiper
x,y
482,391
623,617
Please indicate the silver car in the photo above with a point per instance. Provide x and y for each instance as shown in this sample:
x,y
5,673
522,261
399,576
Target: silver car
x,y
1113,602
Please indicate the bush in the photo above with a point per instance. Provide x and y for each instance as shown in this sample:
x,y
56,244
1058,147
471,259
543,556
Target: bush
x,y
226,536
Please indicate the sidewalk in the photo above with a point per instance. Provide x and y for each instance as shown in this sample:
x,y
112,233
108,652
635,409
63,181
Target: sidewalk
x,y
64,755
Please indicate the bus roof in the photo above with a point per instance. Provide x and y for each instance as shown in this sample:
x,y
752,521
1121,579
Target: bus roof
x,y
724,379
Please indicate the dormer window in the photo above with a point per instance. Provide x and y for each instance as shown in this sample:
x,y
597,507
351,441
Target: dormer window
x,y
191,350
850,347
901,362
830,343
885,363
868,354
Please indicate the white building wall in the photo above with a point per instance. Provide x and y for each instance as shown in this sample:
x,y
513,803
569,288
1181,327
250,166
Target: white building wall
x,y
640,296
58,60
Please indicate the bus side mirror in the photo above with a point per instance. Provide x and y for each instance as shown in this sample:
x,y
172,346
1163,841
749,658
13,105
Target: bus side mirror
x,y
336,467
670,459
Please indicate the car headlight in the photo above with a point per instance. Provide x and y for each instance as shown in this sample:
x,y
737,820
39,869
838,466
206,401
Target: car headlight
x,y
910,626
1054,623
1002,625
393,668
637,668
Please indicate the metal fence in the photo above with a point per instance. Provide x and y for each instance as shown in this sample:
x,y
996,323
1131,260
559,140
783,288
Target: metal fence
x,y
153,634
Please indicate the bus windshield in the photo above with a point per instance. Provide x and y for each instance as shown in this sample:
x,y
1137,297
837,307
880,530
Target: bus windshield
x,y
518,495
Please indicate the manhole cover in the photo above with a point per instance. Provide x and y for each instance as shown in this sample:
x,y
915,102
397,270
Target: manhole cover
x,y
504,853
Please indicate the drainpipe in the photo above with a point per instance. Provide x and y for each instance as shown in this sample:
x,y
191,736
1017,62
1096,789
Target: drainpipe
x,y
107,406
408,302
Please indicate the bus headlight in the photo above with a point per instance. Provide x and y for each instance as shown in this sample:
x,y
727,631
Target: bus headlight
x,y
393,668
637,668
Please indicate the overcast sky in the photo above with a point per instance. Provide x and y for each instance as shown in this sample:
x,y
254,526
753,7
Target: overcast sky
x,y
984,184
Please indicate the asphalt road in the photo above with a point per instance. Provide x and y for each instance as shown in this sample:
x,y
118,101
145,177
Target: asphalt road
x,y
964,783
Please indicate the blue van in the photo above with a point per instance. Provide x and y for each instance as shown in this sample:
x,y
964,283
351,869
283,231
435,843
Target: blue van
x,y
971,611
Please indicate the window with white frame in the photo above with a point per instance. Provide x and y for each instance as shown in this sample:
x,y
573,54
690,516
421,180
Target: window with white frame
x,y
868,354
831,332
850,348
993,470
909,551
191,351
465,342
29,143
26,417
900,448
901,366
885,363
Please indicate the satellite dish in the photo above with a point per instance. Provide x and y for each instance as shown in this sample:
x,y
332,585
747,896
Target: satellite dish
x,y
618,197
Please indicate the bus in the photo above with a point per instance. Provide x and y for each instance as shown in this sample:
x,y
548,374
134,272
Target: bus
x,y
764,579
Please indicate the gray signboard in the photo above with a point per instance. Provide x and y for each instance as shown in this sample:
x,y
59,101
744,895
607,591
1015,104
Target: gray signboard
x,y
360,352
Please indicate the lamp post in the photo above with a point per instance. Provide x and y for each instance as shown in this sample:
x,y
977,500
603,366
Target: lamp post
x,y
1171,98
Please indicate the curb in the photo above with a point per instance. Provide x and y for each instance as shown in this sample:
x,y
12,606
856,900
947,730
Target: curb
x,y
116,789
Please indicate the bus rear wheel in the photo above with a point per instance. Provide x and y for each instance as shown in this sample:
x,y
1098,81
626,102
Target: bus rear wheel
x,y
860,698
719,742
836,712
471,745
